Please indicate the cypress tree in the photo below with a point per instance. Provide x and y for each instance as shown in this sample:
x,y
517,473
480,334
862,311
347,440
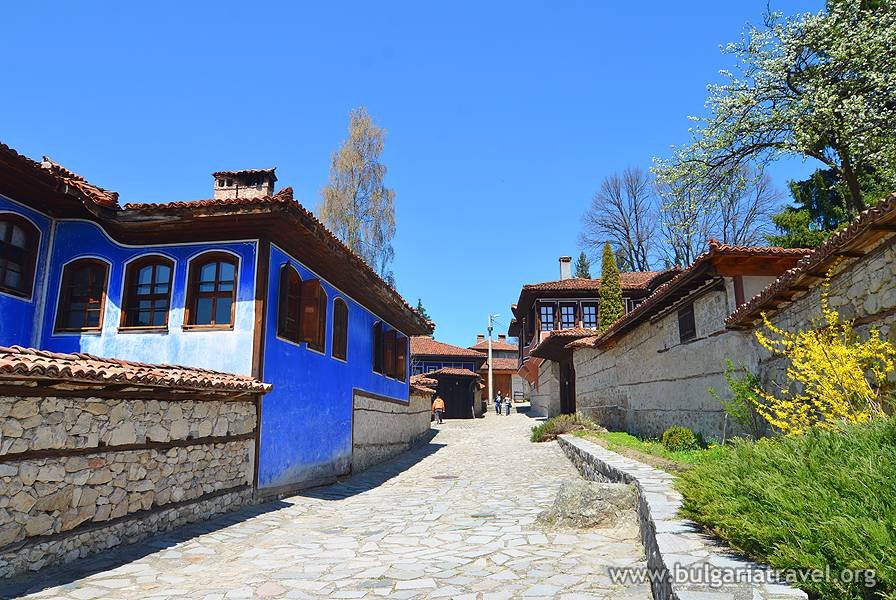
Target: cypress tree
x,y
611,307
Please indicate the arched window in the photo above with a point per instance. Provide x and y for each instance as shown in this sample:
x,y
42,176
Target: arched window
x,y
314,314
147,293
82,297
211,296
289,307
340,329
18,253
378,347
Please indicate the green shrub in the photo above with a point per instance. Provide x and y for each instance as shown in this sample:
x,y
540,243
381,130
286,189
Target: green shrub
x,y
823,499
680,439
550,429
744,399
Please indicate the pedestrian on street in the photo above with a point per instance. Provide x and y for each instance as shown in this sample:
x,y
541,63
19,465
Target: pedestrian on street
x,y
498,403
507,406
438,407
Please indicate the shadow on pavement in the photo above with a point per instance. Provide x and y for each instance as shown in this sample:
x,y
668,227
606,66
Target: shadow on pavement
x,y
30,583
62,575
377,474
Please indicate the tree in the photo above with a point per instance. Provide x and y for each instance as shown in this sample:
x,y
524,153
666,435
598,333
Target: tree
x,y
356,204
745,205
820,86
820,208
623,212
422,310
583,267
611,307
687,222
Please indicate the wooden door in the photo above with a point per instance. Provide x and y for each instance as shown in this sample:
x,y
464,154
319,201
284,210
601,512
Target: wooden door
x,y
567,388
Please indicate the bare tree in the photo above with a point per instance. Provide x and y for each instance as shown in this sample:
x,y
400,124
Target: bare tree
x,y
687,221
356,205
623,212
746,202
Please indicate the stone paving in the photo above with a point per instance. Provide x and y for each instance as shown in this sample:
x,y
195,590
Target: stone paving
x,y
450,519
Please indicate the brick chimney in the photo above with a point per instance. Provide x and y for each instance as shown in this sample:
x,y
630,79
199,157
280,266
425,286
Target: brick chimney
x,y
248,183
565,267
480,337
502,337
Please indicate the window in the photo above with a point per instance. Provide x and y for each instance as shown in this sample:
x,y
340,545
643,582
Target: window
x,y
589,315
687,328
378,348
211,297
82,296
631,303
18,252
401,358
389,340
546,315
147,292
567,316
313,319
340,329
289,304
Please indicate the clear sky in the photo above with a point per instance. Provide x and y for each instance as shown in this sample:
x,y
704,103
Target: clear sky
x,y
502,118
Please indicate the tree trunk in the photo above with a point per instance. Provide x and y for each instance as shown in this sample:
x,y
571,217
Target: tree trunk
x,y
856,200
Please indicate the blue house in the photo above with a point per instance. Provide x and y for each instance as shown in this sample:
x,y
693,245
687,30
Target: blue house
x,y
248,282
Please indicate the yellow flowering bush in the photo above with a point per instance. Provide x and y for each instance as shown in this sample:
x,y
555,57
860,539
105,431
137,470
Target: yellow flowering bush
x,y
833,375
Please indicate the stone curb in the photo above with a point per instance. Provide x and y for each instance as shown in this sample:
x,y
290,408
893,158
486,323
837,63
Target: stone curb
x,y
672,544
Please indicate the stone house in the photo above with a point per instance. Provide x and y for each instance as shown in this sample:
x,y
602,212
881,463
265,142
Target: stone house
x,y
248,282
565,309
454,371
653,367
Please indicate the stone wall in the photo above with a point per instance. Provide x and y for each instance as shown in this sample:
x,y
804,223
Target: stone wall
x,y
863,289
545,397
81,474
648,380
383,427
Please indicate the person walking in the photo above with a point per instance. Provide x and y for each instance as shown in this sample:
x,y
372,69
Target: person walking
x,y
438,407
498,403
507,404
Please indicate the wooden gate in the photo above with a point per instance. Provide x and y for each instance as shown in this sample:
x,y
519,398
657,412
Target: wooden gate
x,y
567,388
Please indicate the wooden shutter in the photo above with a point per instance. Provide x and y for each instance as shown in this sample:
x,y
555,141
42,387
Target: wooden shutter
x,y
320,343
310,303
401,358
378,347
389,352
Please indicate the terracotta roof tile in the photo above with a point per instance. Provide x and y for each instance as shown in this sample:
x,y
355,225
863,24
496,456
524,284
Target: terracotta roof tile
x,y
95,193
715,249
553,345
502,364
423,345
496,345
819,259
628,280
453,373
17,362
247,172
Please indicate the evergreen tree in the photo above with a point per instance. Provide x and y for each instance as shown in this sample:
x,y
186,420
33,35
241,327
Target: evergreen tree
x,y
422,310
611,307
583,267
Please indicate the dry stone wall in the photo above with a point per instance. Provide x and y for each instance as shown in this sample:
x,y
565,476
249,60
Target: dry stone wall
x,y
383,428
80,474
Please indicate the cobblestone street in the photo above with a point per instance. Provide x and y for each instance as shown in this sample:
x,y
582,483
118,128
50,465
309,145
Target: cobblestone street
x,y
450,519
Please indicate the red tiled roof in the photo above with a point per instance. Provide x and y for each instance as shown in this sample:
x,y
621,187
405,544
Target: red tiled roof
x,y
496,345
422,384
867,228
95,193
453,373
552,347
17,362
635,280
661,293
423,345
247,172
502,364
284,196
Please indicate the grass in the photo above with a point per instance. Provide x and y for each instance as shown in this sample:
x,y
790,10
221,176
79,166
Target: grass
x,y
550,429
826,499
652,452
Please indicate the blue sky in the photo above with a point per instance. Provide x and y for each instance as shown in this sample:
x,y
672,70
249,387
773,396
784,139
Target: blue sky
x,y
502,118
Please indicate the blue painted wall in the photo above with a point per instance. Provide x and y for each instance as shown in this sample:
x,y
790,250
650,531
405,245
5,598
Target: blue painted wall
x,y
19,316
306,421
222,350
